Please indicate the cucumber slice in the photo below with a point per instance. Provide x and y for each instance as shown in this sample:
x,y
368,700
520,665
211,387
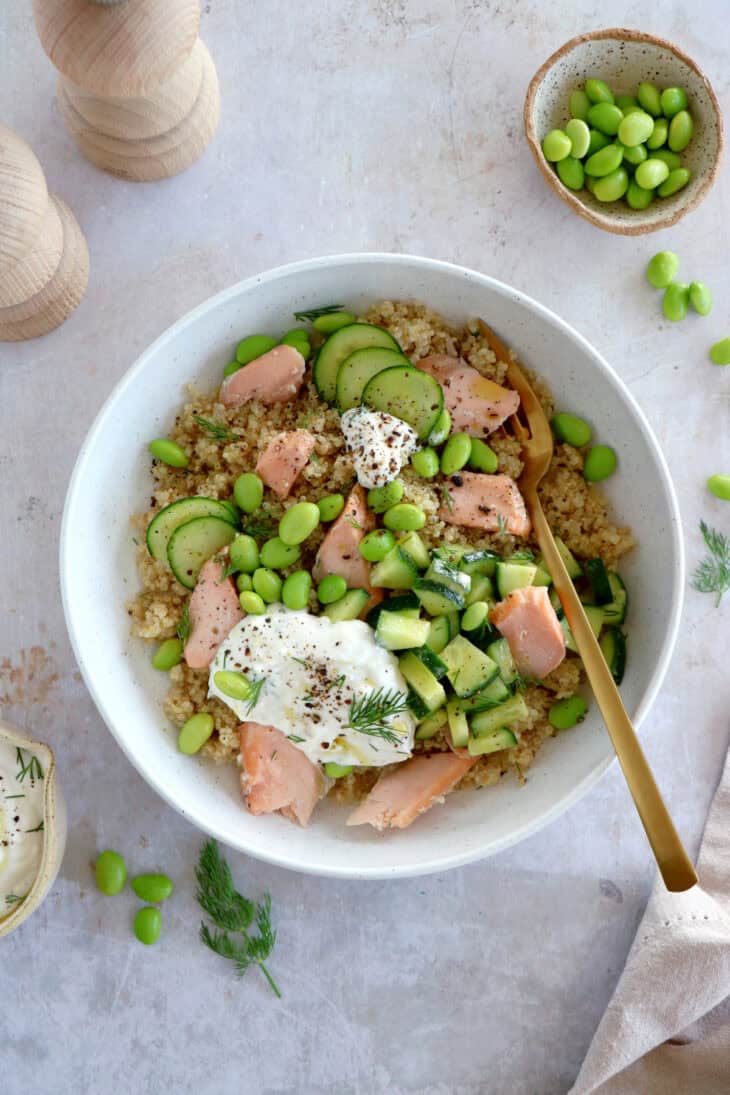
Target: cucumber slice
x,y
436,597
422,681
480,562
161,527
613,645
469,668
407,603
556,603
396,571
598,577
499,651
615,611
482,589
356,336
409,394
348,607
542,577
360,367
414,545
486,722
439,634
429,726
193,543
458,725
572,565
492,743
511,576
595,616
431,660
493,695
449,575
416,704
395,631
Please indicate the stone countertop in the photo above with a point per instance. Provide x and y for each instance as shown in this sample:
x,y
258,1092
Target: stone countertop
x,y
345,126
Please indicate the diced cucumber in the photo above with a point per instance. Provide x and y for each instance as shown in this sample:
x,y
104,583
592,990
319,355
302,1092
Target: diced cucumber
x,y
408,393
436,597
416,704
615,611
348,607
451,553
492,696
482,589
414,545
479,562
394,631
511,576
512,710
499,651
396,571
430,725
613,645
458,724
356,336
595,619
359,367
454,622
193,543
162,526
469,668
422,681
431,660
572,565
542,577
556,602
492,743
439,634
407,603
598,577
449,575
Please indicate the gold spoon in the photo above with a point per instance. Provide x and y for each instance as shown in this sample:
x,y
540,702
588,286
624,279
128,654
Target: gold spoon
x,y
537,451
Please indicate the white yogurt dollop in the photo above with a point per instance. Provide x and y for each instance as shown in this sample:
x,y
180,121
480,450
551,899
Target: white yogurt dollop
x,y
21,824
316,674
380,444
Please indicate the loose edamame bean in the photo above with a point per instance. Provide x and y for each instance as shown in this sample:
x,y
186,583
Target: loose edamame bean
x,y
675,301
425,463
671,159
337,771
635,155
299,339
598,91
168,452
456,453
332,322
148,925
598,141
231,367
606,160
196,731
153,888
674,181
673,99
441,430
382,498
482,458
719,485
635,128
700,298
606,117
267,584
331,589
567,713
662,269
625,101
609,188
295,591
720,352
248,491
405,517
474,616
658,135
579,104
590,183
580,137
571,173
649,98
252,604
376,545
330,506
244,554
556,145
637,197
651,173
298,522
168,654
278,555
234,685
630,108
571,429
111,873
680,131
600,462
244,583
254,346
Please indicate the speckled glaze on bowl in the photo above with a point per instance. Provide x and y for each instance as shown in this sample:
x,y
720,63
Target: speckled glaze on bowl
x,y
623,58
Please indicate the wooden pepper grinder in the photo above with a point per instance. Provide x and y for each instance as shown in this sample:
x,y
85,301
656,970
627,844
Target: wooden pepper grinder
x,y
138,89
44,260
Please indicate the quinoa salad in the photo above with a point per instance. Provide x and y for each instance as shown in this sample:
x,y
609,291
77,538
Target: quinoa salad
x,y
338,570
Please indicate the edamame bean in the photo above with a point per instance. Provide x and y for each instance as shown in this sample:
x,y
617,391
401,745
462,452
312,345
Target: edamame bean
x,y
252,604
675,301
153,888
625,101
635,155
248,491
671,159
580,137
425,463
598,91
382,498
376,545
598,141
590,183
298,522
700,298
651,173
442,429
337,771
482,458
662,269
604,161
244,583
567,713
680,131
244,554
635,128
606,117
254,346
331,589
630,109
267,584
571,173
231,367
332,322
649,98
658,135
111,873
405,517
673,99
296,588
278,555
474,616
330,506
556,145
674,181
148,925
579,104
196,731
168,452
299,339
600,462
168,654
609,188
571,429
456,453
719,485
232,684
637,197
720,352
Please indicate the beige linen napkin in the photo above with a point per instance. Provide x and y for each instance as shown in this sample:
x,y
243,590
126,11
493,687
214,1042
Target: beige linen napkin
x,y
666,1030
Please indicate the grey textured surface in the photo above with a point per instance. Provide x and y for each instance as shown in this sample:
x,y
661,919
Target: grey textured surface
x,y
345,126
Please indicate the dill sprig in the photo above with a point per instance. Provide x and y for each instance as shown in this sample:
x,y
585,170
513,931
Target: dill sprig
x,y
261,526
219,431
446,498
314,313
183,626
501,524
368,714
31,768
255,694
38,829
712,574
233,916
14,899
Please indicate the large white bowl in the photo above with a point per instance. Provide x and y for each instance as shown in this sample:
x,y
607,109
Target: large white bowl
x,y
111,481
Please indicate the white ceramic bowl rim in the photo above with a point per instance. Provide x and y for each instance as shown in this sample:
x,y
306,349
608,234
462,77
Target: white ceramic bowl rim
x,y
676,594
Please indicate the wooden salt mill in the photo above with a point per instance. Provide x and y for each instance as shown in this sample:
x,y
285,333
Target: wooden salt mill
x,y
138,89
44,261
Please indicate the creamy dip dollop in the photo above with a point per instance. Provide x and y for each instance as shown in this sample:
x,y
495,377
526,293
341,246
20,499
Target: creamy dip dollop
x,y
380,444
21,824
315,674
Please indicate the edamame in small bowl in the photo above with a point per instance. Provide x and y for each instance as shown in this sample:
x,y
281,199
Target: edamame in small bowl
x,y
625,128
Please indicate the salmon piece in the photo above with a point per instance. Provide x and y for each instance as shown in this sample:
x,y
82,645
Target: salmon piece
x,y
276,776
283,459
528,622
475,404
214,611
338,553
488,502
275,377
403,793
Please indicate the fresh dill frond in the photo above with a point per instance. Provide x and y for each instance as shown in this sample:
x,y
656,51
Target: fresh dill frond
x,y
446,498
712,574
295,738
255,694
261,526
314,313
32,768
228,567
183,626
501,524
38,829
14,898
219,431
369,713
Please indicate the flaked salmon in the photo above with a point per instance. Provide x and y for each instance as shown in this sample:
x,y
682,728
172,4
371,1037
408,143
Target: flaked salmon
x,y
528,621
283,459
275,377
476,405
489,502
214,610
276,776
405,792
339,551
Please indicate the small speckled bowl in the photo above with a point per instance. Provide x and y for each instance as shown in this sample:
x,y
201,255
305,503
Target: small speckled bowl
x,y
623,58
54,828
